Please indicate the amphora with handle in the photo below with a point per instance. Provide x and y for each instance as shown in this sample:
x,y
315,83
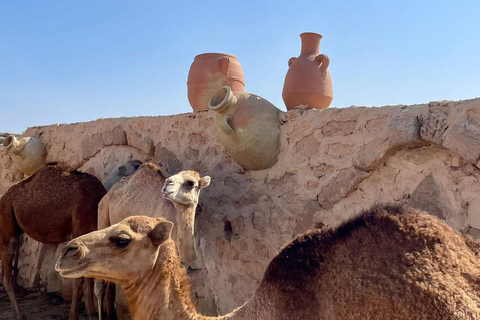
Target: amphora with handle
x,y
248,126
28,153
308,82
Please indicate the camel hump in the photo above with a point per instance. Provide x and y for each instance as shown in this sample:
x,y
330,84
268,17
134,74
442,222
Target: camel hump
x,y
305,254
150,168
59,165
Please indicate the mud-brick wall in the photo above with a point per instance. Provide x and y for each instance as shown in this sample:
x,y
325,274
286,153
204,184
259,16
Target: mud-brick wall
x,y
332,164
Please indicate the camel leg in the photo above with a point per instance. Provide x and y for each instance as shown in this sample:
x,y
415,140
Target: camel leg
x,y
99,293
7,257
77,293
15,264
89,303
110,301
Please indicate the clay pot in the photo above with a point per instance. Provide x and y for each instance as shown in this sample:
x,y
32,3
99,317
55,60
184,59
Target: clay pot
x,y
28,153
248,126
208,73
308,80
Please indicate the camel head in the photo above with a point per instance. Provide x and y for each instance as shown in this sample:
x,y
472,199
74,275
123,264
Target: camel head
x,y
128,168
125,170
120,253
183,190
184,187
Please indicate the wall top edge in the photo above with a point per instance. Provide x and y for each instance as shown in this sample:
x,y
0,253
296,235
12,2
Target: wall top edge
x,y
209,113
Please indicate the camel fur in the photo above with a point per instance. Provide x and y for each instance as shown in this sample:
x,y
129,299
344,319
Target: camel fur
x,y
54,205
151,191
386,263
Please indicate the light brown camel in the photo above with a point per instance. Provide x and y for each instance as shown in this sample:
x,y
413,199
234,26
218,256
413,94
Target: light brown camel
x,y
142,192
384,264
54,205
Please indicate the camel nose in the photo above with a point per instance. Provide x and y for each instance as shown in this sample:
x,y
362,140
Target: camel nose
x,y
70,250
167,192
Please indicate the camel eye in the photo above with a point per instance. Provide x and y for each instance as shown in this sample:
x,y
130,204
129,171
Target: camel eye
x,y
120,242
190,183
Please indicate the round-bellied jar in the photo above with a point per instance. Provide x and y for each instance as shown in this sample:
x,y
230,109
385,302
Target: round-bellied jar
x,y
208,73
28,153
248,126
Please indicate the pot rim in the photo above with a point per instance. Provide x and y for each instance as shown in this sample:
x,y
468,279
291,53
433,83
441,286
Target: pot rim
x,y
226,95
214,54
311,33
11,139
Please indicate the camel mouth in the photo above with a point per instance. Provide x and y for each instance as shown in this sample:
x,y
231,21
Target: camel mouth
x,y
168,196
70,272
70,269
75,273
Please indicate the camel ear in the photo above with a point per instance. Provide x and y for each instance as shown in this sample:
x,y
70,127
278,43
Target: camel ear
x,y
161,232
204,182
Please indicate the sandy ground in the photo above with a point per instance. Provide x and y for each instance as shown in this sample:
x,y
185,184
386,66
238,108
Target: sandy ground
x,y
37,305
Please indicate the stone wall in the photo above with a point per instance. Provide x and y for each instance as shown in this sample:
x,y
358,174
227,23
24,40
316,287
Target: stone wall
x,y
332,164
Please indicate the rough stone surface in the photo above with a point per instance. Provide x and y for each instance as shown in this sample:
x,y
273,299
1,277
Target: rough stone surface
x,y
433,126
474,213
430,196
332,164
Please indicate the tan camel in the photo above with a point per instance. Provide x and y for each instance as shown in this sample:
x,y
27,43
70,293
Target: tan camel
x,y
142,192
383,264
54,205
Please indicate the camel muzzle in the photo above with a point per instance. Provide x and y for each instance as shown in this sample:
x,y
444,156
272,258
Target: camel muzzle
x,y
75,250
70,250
71,260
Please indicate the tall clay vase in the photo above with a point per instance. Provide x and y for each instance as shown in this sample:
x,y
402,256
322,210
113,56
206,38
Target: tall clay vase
x,y
28,153
248,126
208,73
308,80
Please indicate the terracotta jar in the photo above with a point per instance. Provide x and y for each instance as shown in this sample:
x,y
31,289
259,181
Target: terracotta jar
x,y
248,126
208,73
28,153
308,80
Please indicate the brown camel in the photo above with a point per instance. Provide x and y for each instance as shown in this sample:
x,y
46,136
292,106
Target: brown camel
x,y
384,264
54,205
142,192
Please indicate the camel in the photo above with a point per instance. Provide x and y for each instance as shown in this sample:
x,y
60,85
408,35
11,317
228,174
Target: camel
x,y
54,205
142,192
125,170
386,263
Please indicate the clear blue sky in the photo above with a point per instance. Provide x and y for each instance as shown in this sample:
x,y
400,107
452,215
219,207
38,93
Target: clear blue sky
x,y
70,61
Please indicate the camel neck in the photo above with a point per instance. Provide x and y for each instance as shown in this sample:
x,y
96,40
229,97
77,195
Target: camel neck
x,y
185,210
163,295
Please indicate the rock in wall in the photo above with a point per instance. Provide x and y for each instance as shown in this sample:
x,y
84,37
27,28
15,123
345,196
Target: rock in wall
x,y
332,164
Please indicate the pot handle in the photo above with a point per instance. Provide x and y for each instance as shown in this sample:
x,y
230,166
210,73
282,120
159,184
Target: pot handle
x,y
225,126
15,150
324,61
290,61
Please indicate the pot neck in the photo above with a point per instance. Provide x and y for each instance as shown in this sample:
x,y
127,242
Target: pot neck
x,y
10,141
224,101
310,43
